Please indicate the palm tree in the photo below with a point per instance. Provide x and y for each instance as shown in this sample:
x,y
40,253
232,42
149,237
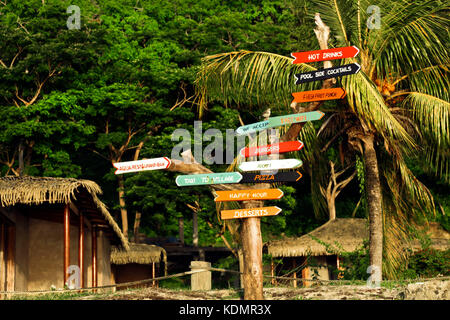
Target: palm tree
x,y
396,107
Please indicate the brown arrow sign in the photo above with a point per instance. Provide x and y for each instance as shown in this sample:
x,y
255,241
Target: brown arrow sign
x,y
249,213
243,195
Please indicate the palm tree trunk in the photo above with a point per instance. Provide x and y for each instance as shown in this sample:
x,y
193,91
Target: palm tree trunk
x,y
374,200
123,210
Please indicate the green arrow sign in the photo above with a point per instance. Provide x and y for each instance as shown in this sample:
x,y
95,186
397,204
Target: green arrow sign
x,y
279,121
208,178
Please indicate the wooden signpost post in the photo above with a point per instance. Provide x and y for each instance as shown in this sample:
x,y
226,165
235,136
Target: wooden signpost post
x,y
249,213
319,95
275,148
323,55
270,165
279,121
327,73
142,165
252,194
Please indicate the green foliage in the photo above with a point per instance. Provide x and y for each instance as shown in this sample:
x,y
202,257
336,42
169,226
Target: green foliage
x,y
356,263
428,263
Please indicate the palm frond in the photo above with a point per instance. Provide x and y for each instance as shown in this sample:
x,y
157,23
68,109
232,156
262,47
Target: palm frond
x,y
367,103
413,36
250,78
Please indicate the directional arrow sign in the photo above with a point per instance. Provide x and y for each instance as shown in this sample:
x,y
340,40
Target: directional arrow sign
x,y
142,165
280,121
275,148
319,95
270,165
327,73
243,195
248,213
289,176
323,55
208,178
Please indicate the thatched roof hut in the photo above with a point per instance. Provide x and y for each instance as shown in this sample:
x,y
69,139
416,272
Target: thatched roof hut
x,y
29,190
338,235
440,238
346,235
141,262
138,253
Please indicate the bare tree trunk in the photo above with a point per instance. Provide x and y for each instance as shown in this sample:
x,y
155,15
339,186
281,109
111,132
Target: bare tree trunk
x,y
374,202
195,229
123,209
181,230
137,221
21,164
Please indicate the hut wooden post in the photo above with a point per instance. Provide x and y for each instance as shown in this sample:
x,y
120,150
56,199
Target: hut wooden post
x,y
94,256
10,258
66,242
81,249
153,274
294,265
272,271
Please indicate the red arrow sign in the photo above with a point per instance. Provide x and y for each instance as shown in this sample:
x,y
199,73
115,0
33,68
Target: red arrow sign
x,y
319,95
323,55
275,148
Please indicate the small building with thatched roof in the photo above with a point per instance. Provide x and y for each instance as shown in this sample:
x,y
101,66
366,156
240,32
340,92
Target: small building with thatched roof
x,y
141,262
52,231
438,237
323,244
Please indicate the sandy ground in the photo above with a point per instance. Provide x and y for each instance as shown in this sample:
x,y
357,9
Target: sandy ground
x,y
430,290
347,292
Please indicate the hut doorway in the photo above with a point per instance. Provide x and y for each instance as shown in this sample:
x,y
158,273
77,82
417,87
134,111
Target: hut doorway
x,y
7,266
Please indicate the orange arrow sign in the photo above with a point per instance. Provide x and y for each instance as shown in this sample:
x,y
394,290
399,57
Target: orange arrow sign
x,y
249,213
242,195
319,95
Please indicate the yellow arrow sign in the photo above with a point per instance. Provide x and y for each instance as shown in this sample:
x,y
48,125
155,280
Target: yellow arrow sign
x,y
249,213
242,195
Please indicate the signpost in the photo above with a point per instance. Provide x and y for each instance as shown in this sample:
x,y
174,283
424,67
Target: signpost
x,y
288,176
248,213
319,95
142,165
323,55
208,178
280,121
327,73
275,148
243,195
270,165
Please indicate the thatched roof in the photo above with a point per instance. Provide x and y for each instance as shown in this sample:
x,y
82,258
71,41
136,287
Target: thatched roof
x,y
40,190
440,238
138,253
341,234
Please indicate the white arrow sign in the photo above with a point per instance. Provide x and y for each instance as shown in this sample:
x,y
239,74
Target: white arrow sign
x,y
270,165
142,165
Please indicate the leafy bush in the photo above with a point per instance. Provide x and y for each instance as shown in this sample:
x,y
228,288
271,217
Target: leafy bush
x,y
428,263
